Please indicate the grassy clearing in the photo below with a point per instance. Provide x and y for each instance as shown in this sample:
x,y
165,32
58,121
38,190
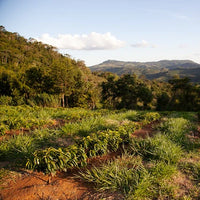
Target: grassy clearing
x,y
148,170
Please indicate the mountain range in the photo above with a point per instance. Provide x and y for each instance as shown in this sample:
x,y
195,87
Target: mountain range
x,y
161,70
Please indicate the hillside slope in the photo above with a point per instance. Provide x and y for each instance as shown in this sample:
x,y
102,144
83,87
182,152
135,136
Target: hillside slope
x,y
161,70
35,73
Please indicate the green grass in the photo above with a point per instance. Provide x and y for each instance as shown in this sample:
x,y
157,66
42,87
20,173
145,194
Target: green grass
x,y
158,147
176,129
156,185
145,171
132,178
122,174
191,116
19,117
87,126
20,147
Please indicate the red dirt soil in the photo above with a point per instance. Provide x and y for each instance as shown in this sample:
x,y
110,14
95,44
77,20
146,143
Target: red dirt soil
x,y
147,130
33,185
63,186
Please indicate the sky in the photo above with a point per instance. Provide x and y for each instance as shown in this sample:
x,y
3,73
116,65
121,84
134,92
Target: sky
x,y
99,30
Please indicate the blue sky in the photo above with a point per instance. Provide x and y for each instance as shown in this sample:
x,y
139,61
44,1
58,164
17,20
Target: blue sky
x,y
98,30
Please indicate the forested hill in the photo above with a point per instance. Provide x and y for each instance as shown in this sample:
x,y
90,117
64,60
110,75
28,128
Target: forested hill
x,y
162,70
35,73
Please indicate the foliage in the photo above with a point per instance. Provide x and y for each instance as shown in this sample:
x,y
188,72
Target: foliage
x,y
128,175
156,185
35,73
5,100
20,117
147,167
158,147
90,146
19,148
125,92
51,160
176,129
130,92
123,174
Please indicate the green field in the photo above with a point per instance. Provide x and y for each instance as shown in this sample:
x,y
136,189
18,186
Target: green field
x,y
49,140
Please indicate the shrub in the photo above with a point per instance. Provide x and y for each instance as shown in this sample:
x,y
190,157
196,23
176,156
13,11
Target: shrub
x,y
19,148
5,100
47,100
51,160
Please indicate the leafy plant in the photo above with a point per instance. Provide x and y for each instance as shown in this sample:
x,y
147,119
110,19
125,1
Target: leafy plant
x,y
176,129
123,174
157,148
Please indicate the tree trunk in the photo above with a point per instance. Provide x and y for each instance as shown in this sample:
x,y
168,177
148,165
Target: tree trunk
x,y
66,101
63,100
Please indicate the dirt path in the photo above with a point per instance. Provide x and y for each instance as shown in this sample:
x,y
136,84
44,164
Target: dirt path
x,y
33,185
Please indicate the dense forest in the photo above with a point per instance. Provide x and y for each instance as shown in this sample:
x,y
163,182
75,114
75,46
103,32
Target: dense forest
x,y
34,73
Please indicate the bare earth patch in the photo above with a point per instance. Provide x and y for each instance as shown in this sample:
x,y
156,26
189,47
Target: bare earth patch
x,y
184,184
147,130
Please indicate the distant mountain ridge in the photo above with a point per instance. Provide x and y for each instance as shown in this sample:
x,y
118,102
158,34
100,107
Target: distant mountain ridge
x,y
161,70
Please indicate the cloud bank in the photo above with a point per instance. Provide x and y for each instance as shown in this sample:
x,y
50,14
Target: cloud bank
x,y
92,41
143,44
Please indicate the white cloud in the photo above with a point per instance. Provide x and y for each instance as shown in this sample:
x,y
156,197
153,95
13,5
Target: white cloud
x,y
92,41
143,44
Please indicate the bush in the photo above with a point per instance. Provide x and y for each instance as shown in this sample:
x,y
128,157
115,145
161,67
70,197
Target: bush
x,y
5,100
46,100
20,148
51,160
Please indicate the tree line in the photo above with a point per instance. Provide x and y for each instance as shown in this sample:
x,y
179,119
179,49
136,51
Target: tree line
x,y
127,91
34,73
